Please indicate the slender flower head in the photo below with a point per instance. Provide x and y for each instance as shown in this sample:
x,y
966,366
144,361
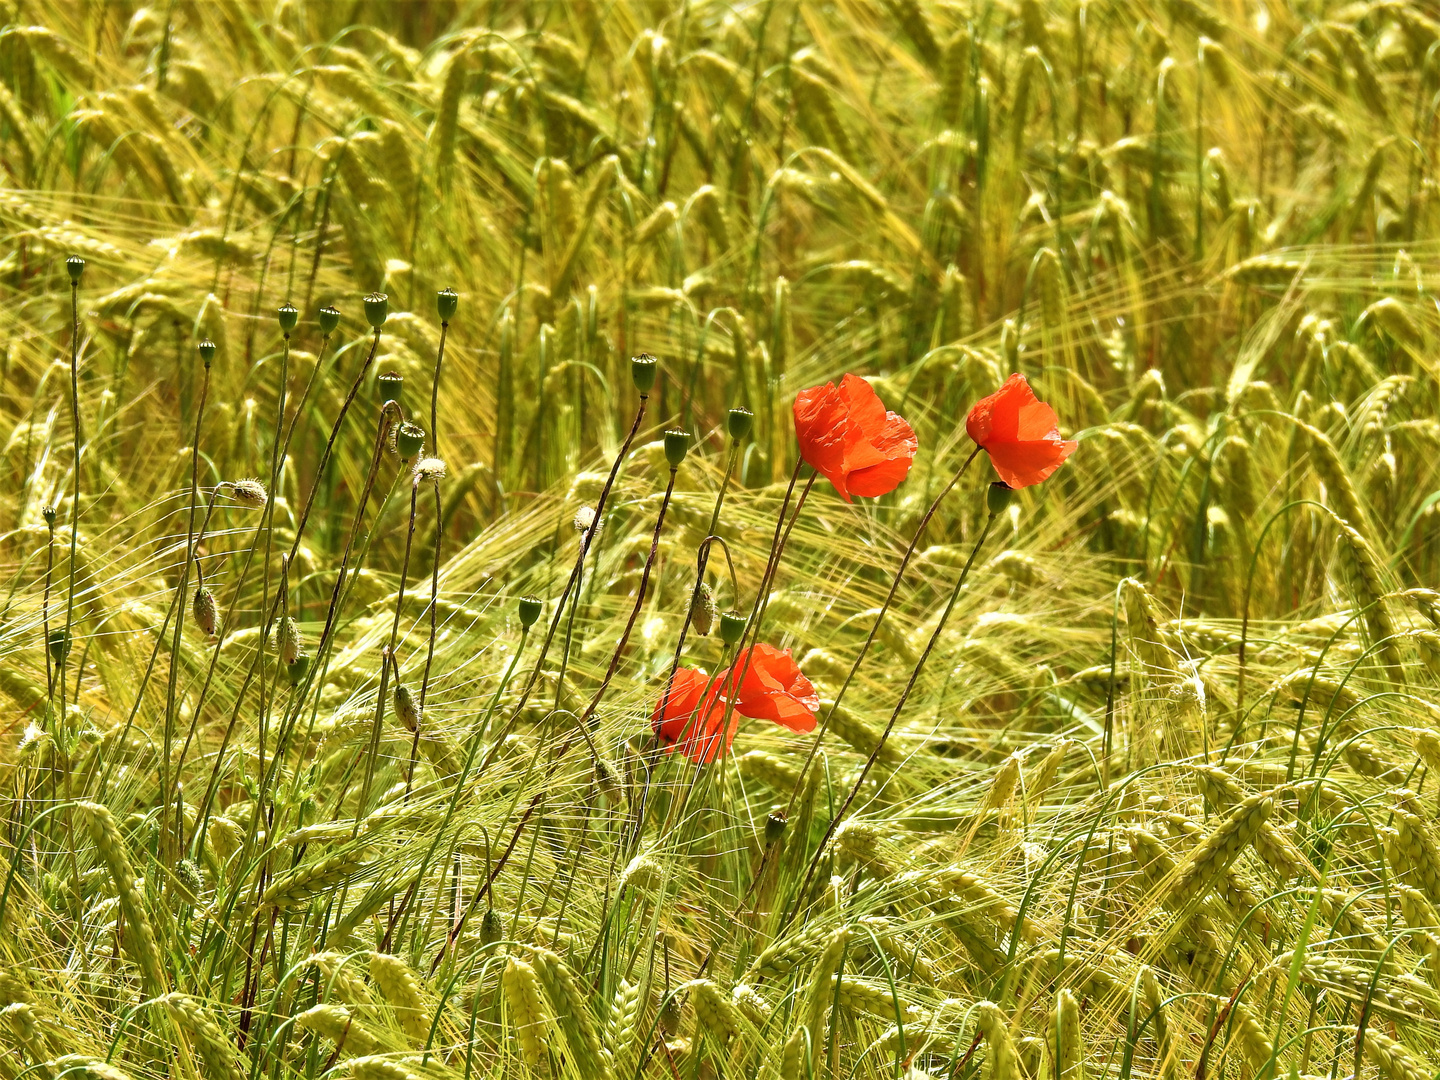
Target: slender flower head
x,y
1020,434
848,436
774,688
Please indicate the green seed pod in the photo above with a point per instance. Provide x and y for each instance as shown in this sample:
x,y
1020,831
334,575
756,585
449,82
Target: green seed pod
x,y
206,349
739,422
642,372
677,445
530,609
446,301
377,306
492,927
287,316
407,708
48,513
297,669
189,875
328,318
75,266
998,496
389,384
409,440
732,627
59,644
774,826
206,613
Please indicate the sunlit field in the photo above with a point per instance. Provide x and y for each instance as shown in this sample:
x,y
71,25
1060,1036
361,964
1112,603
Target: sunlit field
x,y
877,540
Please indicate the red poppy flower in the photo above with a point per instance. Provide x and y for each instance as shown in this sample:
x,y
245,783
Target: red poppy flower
x,y
846,434
1019,433
774,688
691,717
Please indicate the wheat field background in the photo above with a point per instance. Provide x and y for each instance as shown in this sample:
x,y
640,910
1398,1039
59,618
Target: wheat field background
x,y
1160,803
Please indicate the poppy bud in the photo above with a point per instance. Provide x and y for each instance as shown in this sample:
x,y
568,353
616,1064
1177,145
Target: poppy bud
x,y
48,513
59,644
75,266
492,927
738,422
998,496
288,316
670,1015
206,612
677,445
389,384
409,440
407,708
430,470
584,518
189,876
287,640
328,318
774,826
377,306
607,780
446,301
297,669
702,611
732,627
642,372
206,349
530,608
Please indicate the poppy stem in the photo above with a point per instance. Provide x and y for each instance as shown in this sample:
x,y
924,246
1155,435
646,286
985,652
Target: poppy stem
x,y
889,727
875,627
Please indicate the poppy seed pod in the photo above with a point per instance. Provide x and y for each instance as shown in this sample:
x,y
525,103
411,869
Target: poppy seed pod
x,y
677,445
75,266
206,349
389,384
328,318
377,306
642,372
59,644
774,826
48,513
287,316
446,301
297,669
732,627
530,608
998,496
205,610
739,422
409,440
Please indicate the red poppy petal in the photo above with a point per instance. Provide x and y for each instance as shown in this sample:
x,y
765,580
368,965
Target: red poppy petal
x,y
712,741
863,405
823,432
900,445
1021,464
996,418
1035,421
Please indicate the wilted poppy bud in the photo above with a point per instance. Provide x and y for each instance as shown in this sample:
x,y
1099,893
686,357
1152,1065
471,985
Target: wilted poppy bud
x,y
738,423
206,613
492,927
642,372
774,826
75,266
584,518
446,301
407,708
59,644
998,496
702,610
328,318
48,513
206,349
287,316
249,493
377,306
430,470
530,608
409,440
297,669
389,384
732,627
677,445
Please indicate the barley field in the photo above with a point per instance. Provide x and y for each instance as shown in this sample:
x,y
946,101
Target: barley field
x,y
506,572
